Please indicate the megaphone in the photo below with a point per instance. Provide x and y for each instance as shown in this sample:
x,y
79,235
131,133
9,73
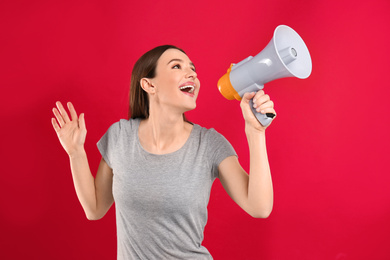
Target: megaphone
x,y
286,55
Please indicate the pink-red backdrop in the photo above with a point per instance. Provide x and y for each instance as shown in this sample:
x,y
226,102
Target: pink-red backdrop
x,y
328,147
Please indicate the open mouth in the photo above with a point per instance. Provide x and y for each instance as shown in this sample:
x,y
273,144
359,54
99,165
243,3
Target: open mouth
x,y
188,89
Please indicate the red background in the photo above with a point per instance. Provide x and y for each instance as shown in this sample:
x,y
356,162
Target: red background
x,y
328,147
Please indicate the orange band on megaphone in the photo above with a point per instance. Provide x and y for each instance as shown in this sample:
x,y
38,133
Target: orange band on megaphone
x,y
226,88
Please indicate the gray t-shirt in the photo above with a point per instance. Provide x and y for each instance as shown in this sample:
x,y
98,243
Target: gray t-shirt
x,y
161,200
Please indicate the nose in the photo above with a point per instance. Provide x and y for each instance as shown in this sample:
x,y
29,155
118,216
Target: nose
x,y
191,73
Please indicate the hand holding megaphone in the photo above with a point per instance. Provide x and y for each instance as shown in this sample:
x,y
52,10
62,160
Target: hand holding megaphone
x,y
286,55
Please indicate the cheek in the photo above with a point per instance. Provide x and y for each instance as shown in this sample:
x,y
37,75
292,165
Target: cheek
x,y
166,85
171,82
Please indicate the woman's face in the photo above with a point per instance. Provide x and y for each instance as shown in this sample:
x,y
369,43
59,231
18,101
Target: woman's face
x,y
176,83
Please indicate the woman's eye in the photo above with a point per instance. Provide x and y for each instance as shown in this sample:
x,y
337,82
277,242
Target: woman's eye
x,y
177,66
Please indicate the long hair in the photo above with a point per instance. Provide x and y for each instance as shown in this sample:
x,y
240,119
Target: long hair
x,y
145,67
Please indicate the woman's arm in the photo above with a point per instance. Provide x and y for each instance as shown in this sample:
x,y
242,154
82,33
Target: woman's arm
x,y
253,192
94,194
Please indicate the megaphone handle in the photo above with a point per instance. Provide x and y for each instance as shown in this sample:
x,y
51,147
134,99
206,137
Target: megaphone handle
x,y
264,119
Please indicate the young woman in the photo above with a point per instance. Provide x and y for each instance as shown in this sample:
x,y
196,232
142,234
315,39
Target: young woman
x,y
159,168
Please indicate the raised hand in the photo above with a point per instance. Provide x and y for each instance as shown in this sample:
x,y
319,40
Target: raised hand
x,y
70,131
262,103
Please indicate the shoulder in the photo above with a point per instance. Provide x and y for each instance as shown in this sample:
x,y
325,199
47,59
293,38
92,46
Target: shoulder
x,y
209,131
215,146
209,134
123,126
125,123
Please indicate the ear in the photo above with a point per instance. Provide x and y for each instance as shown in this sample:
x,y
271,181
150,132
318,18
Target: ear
x,y
146,84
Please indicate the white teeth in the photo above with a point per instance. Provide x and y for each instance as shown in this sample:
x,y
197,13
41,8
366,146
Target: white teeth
x,y
192,88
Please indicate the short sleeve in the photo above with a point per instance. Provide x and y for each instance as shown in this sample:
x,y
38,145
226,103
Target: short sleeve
x,y
220,148
107,143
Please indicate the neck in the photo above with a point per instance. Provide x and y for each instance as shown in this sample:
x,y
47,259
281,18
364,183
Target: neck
x,y
163,134
165,127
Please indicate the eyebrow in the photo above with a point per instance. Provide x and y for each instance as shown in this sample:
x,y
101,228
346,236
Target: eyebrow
x,y
180,60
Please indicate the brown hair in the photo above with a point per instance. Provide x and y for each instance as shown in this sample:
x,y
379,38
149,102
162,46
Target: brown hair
x,y
145,67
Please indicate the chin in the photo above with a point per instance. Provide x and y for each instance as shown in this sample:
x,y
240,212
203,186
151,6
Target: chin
x,y
189,108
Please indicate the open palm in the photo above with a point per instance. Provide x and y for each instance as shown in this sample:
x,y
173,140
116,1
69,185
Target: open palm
x,y
70,131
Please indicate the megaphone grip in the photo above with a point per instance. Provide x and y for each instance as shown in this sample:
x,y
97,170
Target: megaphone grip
x,y
264,119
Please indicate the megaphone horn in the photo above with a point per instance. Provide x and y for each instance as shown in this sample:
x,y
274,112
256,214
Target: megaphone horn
x,y
286,55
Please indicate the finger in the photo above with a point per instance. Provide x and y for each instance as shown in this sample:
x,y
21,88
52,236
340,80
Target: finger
x,y
55,125
82,122
268,104
63,112
59,117
267,107
72,111
268,110
259,94
262,100
248,96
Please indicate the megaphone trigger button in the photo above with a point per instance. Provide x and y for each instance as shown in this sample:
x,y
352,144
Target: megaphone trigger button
x,y
270,115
